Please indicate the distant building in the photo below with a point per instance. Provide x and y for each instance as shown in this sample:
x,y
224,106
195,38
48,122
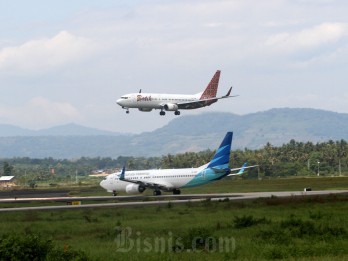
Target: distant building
x,y
7,181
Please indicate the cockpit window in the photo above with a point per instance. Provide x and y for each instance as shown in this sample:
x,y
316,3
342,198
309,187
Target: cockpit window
x,y
124,97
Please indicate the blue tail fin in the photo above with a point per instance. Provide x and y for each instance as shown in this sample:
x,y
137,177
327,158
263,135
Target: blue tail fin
x,y
123,173
222,155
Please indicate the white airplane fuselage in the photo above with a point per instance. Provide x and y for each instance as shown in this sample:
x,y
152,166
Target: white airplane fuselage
x,y
168,179
153,100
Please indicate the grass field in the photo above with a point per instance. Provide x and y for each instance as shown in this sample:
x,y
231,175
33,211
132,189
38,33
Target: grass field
x,y
295,228
277,228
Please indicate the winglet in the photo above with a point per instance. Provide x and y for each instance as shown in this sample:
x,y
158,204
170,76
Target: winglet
x,y
241,169
123,173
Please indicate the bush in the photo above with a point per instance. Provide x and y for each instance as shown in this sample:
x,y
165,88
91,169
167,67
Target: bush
x,y
35,248
28,247
298,227
248,221
63,254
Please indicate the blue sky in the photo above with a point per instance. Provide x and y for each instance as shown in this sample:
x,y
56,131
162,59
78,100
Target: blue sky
x,y
68,61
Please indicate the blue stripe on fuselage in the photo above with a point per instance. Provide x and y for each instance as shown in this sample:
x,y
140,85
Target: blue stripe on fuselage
x,y
206,176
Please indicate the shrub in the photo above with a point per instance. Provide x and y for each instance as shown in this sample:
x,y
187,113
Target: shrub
x,y
66,253
298,227
248,221
33,247
28,247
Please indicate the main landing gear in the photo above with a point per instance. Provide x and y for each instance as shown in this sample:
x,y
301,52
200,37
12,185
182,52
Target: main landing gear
x,y
156,192
176,192
162,113
114,193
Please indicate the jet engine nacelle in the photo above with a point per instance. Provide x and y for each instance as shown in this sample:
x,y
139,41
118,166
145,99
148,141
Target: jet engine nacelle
x,y
171,107
145,109
134,189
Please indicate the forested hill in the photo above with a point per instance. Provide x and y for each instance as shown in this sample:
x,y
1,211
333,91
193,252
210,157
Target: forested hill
x,y
185,133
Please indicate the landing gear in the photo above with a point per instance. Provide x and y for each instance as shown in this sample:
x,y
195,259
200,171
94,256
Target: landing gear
x,y
177,112
114,193
156,192
127,109
176,192
162,113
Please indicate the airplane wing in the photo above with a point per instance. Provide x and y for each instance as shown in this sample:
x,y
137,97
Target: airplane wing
x,y
241,169
204,102
152,185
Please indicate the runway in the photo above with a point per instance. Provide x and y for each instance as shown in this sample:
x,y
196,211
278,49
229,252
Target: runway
x,y
136,201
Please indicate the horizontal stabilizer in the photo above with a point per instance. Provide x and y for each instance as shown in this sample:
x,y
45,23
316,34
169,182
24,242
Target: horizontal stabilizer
x,y
241,169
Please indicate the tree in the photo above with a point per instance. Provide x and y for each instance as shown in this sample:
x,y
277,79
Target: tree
x,y
8,169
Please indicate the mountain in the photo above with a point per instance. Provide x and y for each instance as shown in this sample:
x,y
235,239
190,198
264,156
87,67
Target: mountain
x,y
277,126
70,129
185,133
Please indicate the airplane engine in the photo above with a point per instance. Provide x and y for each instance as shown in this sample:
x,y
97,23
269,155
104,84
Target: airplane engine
x,y
134,189
171,107
145,109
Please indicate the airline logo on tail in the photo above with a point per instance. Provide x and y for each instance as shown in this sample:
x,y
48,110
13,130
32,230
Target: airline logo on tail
x,y
222,155
211,90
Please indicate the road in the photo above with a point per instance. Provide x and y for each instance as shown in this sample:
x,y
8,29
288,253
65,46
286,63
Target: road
x,y
136,201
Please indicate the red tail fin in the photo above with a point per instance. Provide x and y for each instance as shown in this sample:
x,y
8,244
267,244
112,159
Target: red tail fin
x,y
211,90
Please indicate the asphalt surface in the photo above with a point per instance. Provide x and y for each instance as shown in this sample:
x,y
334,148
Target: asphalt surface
x,y
136,201
33,193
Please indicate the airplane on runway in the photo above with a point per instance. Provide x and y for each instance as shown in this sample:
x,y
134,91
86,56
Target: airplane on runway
x,y
171,180
173,102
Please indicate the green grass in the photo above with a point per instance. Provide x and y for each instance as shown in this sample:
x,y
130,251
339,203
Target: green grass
x,y
295,228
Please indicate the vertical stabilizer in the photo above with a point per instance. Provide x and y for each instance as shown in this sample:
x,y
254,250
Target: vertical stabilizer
x,y
222,155
211,90
123,172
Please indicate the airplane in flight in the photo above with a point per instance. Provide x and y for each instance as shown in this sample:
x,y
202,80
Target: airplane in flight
x,y
173,102
172,180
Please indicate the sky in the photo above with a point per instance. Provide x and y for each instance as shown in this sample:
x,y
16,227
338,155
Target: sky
x,y
69,61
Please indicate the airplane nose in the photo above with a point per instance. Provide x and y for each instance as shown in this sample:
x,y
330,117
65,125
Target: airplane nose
x,y
120,102
102,184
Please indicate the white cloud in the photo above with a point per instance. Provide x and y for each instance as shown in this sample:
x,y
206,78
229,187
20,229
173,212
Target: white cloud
x,y
321,35
40,112
172,46
45,54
